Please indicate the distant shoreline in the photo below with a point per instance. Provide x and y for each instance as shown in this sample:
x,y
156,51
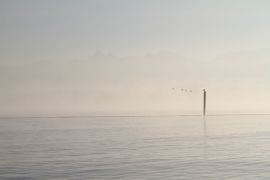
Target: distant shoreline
x,y
131,116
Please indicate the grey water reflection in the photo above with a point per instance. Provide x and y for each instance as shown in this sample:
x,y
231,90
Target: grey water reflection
x,y
205,148
186,147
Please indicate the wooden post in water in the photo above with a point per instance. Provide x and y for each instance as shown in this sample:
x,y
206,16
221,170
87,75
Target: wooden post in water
x,y
204,102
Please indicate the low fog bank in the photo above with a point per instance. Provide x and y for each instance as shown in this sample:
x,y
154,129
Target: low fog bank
x,y
110,84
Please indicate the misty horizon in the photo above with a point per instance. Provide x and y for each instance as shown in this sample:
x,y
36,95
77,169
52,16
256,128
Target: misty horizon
x,y
125,57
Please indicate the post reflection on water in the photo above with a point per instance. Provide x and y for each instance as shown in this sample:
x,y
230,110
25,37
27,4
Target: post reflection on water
x,y
205,149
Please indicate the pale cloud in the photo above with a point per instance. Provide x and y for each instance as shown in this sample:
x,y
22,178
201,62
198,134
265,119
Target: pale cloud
x,y
98,57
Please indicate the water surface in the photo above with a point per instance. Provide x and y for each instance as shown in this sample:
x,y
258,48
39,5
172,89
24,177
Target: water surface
x,y
222,147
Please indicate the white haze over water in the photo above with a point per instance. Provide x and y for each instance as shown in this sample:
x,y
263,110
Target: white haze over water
x,y
124,57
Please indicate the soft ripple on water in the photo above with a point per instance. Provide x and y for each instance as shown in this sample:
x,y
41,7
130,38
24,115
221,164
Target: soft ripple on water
x,y
135,148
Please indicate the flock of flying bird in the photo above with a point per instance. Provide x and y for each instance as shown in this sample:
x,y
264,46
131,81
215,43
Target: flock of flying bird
x,y
183,90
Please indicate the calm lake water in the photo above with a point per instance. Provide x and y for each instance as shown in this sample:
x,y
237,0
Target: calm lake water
x,y
225,147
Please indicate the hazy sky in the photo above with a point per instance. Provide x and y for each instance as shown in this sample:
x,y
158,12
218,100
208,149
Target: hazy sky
x,y
124,56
